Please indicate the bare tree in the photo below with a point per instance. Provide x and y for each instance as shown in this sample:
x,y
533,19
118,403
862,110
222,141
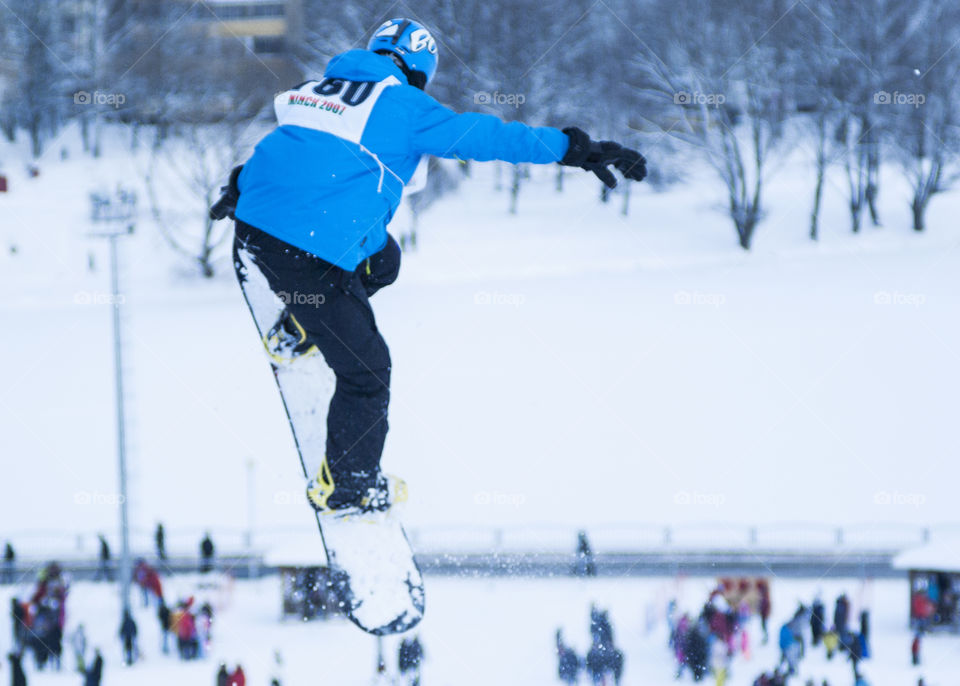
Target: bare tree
x,y
724,93
926,107
183,180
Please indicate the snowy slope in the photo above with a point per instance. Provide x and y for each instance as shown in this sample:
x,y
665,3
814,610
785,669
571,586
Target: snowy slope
x,y
478,632
564,365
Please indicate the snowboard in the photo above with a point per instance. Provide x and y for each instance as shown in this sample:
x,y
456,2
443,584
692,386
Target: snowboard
x,y
369,555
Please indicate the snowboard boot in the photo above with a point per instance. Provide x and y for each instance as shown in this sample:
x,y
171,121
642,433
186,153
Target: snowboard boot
x,y
286,340
323,496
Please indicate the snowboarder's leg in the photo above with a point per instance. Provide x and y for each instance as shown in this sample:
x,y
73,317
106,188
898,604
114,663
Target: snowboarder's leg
x,y
327,309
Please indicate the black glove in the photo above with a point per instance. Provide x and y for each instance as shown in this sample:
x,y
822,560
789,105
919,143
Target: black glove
x,y
595,156
229,195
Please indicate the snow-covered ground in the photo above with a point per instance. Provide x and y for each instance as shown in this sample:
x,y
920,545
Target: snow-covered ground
x,y
484,631
565,365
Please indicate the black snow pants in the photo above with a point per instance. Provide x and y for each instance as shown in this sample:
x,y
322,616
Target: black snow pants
x,y
332,305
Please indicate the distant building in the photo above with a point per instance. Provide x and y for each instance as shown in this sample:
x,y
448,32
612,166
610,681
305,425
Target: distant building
x,y
934,573
270,29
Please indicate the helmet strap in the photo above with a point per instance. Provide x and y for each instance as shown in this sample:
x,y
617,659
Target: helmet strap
x,y
415,78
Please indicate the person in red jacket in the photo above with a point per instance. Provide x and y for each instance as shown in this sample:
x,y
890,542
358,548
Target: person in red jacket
x,y
186,628
238,678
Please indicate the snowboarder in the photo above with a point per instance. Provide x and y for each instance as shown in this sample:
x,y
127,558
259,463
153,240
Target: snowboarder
x,y
312,205
128,634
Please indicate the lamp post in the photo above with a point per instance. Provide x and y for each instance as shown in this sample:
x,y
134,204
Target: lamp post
x,y
117,211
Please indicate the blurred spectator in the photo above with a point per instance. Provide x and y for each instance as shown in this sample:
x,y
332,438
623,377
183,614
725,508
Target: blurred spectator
x,y
206,553
95,673
17,676
163,615
841,614
19,617
148,579
764,607
184,625
865,633
128,635
278,669
45,636
915,650
568,668
601,630
772,679
159,539
9,563
831,641
789,649
855,653
585,565
78,642
103,569
223,677
409,659
237,677
696,650
818,626
719,661
204,628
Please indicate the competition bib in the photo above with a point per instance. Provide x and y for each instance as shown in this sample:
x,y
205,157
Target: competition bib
x,y
336,106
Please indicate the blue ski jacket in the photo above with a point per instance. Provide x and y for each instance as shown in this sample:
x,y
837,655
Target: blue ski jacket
x,y
330,176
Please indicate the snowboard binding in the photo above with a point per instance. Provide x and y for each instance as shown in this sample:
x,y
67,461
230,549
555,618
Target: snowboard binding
x,y
287,341
387,491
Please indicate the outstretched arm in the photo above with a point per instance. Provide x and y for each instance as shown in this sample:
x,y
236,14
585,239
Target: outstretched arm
x,y
438,130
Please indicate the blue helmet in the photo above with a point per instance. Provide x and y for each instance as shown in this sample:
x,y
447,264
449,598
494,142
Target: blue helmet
x,y
409,41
